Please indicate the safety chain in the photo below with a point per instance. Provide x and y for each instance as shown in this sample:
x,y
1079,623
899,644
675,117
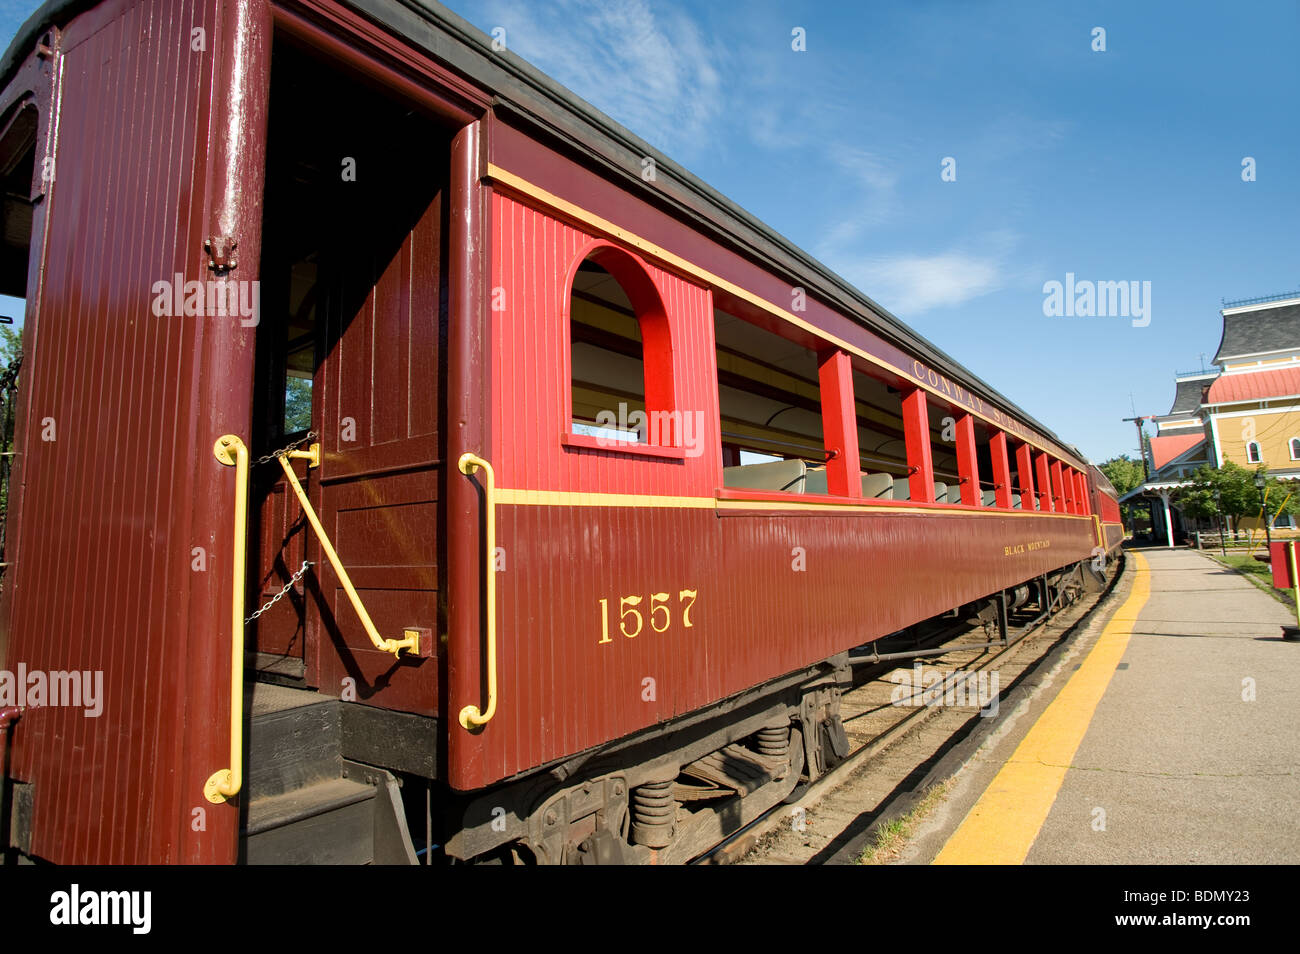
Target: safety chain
x,y
309,436
276,598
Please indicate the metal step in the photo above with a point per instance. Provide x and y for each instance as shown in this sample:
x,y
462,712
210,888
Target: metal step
x,y
305,803
293,740
330,822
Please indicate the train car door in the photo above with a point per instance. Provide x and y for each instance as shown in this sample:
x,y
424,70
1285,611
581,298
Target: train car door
x,y
355,294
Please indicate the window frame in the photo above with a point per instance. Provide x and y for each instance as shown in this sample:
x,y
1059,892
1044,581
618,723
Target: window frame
x,y
658,364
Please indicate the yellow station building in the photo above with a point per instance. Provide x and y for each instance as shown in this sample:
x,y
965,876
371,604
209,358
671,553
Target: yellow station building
x,y
1246,409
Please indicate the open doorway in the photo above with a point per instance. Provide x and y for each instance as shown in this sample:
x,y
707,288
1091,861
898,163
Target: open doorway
x,y
349,355
18,134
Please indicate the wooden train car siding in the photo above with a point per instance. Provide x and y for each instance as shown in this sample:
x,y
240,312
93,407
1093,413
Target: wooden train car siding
x,y
770,591
113,507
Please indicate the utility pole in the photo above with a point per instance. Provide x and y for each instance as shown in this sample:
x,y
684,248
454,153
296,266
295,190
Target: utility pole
x,y
1142,448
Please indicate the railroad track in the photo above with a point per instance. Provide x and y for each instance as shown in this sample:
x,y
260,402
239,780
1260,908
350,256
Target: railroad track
x,y
894,734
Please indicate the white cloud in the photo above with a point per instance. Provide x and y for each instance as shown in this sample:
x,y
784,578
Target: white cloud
x,y
910,284
873,180
652,70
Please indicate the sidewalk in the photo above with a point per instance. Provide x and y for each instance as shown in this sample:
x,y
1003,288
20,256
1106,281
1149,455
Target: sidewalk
x,y
1173,738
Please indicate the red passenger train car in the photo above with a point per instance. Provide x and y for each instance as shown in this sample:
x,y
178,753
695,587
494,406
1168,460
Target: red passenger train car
x,y
402,474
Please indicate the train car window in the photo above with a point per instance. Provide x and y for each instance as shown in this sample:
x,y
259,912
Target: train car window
x,y
621,353
1252,452
943,450
881,441
769,398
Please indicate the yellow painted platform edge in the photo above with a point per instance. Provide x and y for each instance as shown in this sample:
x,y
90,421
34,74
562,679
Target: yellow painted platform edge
x,y
1003,825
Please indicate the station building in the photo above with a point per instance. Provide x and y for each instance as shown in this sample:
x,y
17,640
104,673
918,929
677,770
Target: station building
x,y
1246,409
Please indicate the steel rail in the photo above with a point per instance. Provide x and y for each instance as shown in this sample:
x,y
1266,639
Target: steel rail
x,y
841,771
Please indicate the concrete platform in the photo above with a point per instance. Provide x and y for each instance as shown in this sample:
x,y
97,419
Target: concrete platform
x,y
1171,735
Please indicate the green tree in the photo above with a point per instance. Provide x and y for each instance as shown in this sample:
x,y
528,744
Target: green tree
x,y
1283,495
1230,490
1123,472
11,342
297,405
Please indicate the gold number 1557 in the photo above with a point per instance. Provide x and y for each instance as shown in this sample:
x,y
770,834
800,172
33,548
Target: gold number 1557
x,y
631,620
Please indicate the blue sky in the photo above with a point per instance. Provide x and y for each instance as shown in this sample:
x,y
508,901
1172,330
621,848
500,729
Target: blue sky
x,y
1123,165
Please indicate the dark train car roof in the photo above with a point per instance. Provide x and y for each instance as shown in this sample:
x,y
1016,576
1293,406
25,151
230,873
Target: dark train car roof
x,y
523,93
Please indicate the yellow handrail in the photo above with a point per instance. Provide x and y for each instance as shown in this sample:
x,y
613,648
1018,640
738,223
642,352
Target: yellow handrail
x,y
411,638
231,451
472,716
226,783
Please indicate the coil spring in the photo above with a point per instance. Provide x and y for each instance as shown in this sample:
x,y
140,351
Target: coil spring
x,y
653,812
774,742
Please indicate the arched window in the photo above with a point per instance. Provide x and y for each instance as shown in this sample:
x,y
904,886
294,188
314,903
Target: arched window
x,y
620,354
1295,448
1252,452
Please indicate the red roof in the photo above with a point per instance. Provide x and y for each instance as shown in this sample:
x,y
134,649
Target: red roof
x,y
1254,385
1165,449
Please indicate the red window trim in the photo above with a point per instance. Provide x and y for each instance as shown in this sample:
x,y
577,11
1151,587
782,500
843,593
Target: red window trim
x,y
590,442
632,273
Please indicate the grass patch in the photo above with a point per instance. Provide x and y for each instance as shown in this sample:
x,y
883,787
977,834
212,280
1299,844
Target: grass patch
x,y
892,837
1245,563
